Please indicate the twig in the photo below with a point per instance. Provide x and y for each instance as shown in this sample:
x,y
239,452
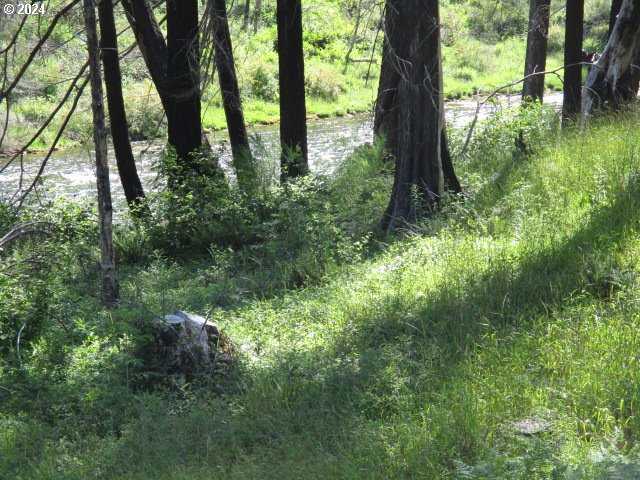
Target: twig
x,y
500,89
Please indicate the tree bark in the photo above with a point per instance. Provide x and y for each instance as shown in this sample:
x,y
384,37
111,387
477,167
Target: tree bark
x,y
419,181
572,98
257,11
293,113
615,9
150,42
536,59
228,79
118,118
386,111
105,209
183,80
246,14
609,85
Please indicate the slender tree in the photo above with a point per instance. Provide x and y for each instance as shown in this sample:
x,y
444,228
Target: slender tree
x,y
536,59
227,77
105,210
293,113
246,14
183,80
419,181
257,11
608,84
118,118
572,98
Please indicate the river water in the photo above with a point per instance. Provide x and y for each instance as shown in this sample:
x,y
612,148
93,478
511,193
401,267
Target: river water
x,y
72,174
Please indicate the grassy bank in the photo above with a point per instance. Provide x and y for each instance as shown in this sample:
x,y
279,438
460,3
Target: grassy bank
x,y
358,356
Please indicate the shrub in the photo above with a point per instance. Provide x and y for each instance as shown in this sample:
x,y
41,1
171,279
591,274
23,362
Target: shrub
x,y
324,83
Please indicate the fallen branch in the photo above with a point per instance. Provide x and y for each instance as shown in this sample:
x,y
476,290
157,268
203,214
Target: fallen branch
x,y
24,230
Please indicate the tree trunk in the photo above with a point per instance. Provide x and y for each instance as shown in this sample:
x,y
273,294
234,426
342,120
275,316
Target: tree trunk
x,y
246,14
293,113
608,84
105,210
257,11
536,60
572,98
231,94
150,42
615,9
385,121
183,80
118,118
419,178
386,111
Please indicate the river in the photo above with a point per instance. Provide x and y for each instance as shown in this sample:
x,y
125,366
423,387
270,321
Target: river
x,y
71,173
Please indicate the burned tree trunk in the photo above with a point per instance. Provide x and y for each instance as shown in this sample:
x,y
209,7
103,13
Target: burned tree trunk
x,y
118,118
608,84
105,210
572,98
231,93
293,113
536,60
183,80
419,178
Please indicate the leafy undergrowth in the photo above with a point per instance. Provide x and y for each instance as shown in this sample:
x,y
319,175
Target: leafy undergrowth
x,y
413,360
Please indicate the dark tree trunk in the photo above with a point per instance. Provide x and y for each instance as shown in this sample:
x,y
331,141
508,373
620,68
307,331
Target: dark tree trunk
x,y
451,182
105,209
419,178
385,121
246,14
118,118
293,113
572,98
150,42
257,11
615,9
231,93
386,112
183,79
536,60
609,84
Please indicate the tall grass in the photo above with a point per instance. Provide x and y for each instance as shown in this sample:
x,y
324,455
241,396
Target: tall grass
x,y
520,302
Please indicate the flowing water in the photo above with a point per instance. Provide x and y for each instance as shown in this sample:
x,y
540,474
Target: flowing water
x,y
72,174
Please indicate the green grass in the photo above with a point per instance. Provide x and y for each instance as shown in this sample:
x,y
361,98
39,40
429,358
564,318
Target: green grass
x,y
520,302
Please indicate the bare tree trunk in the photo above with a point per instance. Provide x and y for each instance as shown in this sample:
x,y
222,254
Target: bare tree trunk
x,y
293,112
246,14
386,111
419,178
536,60
231,94
105,210
118,118
354,37
257,11
151,43
608,84
572,98
183,80
613,16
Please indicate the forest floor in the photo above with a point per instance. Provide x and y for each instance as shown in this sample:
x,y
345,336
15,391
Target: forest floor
x,y
497,340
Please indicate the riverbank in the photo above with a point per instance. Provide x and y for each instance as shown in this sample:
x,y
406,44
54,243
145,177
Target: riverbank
x,y
497,340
